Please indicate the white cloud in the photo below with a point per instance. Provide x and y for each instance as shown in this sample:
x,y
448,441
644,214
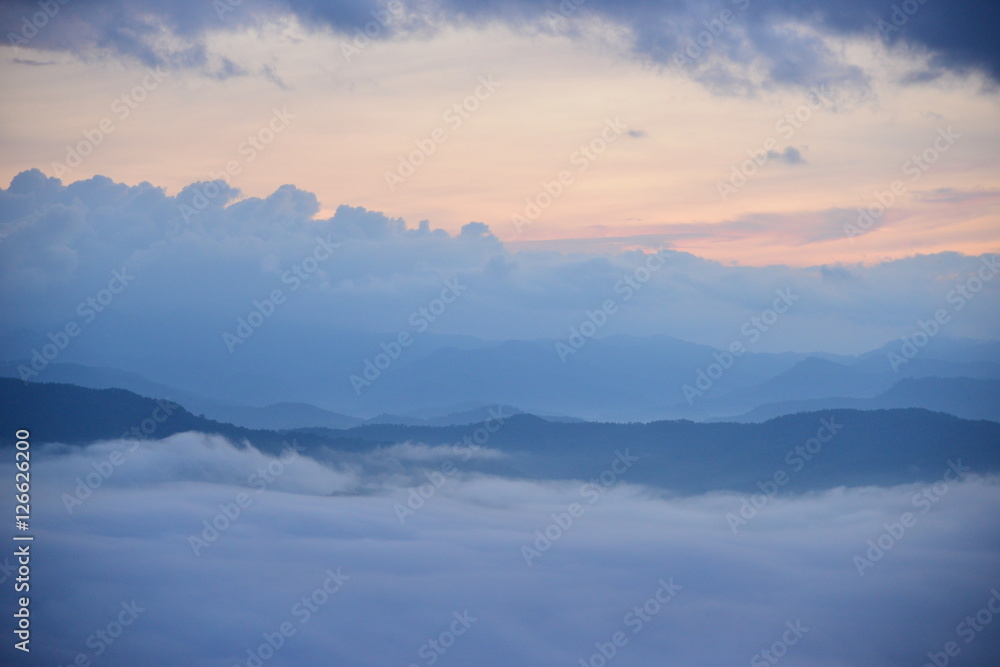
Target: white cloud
x,y
462,551
194,280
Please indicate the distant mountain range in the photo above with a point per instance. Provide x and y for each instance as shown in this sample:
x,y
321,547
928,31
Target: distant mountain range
x,y
69,414
814,450
963,397
277,416
452,380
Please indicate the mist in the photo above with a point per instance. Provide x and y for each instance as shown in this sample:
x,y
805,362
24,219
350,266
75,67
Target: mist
x,y
208,548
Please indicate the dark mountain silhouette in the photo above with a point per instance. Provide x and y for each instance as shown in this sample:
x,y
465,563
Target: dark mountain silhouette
x,y
873,447
816,450
77,415
967,398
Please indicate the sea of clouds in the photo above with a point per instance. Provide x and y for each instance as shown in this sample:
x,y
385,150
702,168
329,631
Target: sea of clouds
x,y
195,551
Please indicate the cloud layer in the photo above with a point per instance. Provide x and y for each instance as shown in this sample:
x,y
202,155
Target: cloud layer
x,y
786,40
129,263
390,587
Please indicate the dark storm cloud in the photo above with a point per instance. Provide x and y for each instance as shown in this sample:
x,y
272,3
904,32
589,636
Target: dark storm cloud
x,y
780,37
958,34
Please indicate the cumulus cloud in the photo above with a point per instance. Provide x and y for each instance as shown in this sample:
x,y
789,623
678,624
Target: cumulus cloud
x,y
390,586
785,39
194,266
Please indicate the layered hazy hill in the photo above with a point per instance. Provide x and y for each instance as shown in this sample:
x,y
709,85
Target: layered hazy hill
x,y
816,450
452,380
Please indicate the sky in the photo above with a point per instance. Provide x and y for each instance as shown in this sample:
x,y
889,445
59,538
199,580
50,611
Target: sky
x,y
538,153
752,132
